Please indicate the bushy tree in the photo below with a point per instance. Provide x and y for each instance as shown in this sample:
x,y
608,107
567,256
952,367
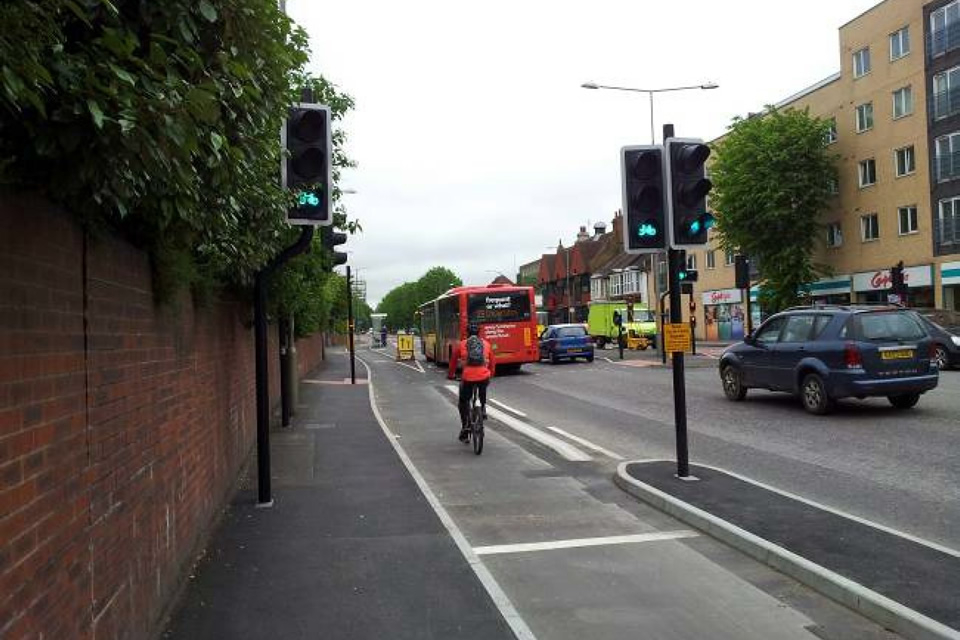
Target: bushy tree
x,y
160,119
771,177
401,303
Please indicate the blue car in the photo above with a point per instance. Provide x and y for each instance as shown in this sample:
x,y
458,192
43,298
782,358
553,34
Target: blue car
x,y
823,353
559,341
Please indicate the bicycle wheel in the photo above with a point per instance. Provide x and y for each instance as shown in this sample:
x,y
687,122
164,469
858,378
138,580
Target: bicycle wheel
x,y
476,429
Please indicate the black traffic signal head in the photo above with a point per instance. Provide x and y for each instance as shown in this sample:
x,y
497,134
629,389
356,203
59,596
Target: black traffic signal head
x,y
741,271
896,276
687,187
307,170
644,212
331,239
687,275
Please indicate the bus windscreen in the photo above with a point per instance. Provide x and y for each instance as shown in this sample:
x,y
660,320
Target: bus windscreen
x,y
511,306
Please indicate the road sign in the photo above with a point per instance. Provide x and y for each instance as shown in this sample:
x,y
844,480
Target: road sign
x,y
677,338
404,347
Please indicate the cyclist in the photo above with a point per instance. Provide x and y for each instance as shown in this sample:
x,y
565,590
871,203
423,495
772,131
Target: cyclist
x,y
478,368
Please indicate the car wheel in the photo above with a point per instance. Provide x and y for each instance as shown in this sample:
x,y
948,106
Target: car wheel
x,y
590,358
554,358
813,393
601,343
733,384
904,400
941,359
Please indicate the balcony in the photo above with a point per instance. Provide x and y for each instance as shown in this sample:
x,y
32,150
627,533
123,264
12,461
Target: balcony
x,y
945,103
947,166
943,40
946,234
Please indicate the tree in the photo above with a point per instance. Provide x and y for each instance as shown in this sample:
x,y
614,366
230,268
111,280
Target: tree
x,y
401,303
771,177
161,120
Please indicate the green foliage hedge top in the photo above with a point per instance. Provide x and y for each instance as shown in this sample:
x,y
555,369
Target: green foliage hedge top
x,y
161,118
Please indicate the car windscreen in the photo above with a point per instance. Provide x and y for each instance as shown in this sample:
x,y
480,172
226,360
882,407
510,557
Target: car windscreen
x,y
642,315
571,332
512,306
888,325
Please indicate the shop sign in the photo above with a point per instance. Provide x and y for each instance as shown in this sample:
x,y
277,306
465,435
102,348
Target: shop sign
x,y
722,296
880,280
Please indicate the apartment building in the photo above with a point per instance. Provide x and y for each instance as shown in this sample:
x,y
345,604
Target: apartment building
x,y
895,106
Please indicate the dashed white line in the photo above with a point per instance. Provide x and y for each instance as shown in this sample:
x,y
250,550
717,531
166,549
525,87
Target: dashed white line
x,y
508,408
587,443
576,543
563,448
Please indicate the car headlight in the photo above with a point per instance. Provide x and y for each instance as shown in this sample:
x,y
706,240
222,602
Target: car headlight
x,y
956,340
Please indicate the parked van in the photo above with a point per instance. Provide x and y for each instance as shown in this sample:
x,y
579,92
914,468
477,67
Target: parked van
x,y
637,320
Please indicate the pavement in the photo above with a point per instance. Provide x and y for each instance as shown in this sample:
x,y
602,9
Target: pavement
x,y
351,548
899,581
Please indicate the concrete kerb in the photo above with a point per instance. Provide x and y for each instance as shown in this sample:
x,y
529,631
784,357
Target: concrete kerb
x,y
879,608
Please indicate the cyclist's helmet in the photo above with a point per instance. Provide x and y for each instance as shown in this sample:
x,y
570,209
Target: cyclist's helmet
x,y
473,329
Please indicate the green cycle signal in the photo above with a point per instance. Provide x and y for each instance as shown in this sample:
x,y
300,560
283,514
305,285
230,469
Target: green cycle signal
x,y
648,230
308,199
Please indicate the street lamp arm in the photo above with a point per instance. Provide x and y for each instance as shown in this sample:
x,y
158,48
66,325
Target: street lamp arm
x,y
707,85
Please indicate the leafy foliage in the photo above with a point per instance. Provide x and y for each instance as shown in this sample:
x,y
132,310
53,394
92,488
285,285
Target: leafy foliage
x,y
160,119
401,303
771,177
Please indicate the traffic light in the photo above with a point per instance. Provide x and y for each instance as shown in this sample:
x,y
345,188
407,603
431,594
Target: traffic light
x,y
645,218
742,271
684,273
331,239
897,282
307,170
687,187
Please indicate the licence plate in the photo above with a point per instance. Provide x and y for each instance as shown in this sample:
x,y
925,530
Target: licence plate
x,y
574,350
897,354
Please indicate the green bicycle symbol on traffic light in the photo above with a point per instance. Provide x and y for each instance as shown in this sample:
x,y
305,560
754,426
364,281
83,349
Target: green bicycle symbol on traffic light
x,y
308,198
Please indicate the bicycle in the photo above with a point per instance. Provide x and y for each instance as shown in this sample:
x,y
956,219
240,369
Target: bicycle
x,y
475,422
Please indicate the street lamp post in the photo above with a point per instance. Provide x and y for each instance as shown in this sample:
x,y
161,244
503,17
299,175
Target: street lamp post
x,y
650,92
705,86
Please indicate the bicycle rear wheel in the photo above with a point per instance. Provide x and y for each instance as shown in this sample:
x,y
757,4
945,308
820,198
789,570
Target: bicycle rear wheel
x,y
476,430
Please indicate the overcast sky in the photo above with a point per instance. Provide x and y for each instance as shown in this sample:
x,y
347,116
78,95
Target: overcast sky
x,y
476,147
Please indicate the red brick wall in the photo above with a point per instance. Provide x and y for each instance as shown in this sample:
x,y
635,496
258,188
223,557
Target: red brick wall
x,y
122,428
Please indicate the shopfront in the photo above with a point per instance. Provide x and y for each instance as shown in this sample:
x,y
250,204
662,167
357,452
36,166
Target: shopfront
x,y
832,290
950,279
873,286
723,311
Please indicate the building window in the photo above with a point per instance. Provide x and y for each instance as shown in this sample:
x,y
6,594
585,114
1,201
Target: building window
x,y
947,156
905,161
834,235
947,231
711,259
899,43
616,285
902,102
729,257
865,117
946,93
908,219
869,227
868,172
833,186
945,29
831,136
861,62
692,261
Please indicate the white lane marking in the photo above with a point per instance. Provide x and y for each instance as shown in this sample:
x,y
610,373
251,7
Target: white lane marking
x,y
497,594
411,366
586,443
566,450
508,408
576,543
608,360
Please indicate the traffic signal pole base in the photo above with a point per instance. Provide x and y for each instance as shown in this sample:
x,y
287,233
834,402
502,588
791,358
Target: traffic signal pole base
x,y
686,478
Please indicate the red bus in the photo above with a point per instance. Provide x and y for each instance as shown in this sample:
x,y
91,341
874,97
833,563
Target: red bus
x,y
506,315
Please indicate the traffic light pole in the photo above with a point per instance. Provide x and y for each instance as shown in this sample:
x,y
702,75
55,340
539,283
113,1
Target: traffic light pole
x,y
261,281
679,381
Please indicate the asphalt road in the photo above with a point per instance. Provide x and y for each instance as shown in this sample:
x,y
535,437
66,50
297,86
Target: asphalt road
x,y
897,468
